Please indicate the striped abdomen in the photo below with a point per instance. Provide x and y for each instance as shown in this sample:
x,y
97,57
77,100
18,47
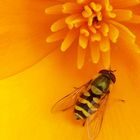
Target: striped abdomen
x,y
86,105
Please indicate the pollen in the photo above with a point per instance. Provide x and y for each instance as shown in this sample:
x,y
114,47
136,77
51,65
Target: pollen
x,y
95,25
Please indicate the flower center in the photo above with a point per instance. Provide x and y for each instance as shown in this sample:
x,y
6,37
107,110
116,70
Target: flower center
x,y
92,13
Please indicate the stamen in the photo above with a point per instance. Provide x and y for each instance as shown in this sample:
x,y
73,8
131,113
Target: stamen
x,y
83,41
80,57
87,12
95,52
123,15
56,9
135,19
113,33
69,8
104,29
69,39
58,25
96,7
56,36
105,44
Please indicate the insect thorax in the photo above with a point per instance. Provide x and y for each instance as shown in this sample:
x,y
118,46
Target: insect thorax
x,y
100,85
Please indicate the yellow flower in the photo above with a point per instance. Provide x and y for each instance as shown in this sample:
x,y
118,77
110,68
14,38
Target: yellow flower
x,y
26,99
94,26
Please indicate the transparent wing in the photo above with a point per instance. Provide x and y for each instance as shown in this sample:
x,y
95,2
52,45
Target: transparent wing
x,y
94,123
69,100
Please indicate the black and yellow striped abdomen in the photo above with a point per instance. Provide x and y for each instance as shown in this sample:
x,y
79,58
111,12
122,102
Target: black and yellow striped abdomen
x,y
89,101
86,105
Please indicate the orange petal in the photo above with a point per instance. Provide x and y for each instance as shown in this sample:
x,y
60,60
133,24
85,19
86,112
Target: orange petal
x,y
81,57
23,30
70,37
135,19
95,52
124,4
123,14
58,25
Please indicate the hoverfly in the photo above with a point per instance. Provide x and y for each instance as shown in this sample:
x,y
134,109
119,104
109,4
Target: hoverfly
x,y
89,101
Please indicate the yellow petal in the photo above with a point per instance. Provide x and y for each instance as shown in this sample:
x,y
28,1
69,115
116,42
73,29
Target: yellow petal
x,y
113,33
69,39
95,52
56,9
105,44
58,25
123,14
80,57
56,36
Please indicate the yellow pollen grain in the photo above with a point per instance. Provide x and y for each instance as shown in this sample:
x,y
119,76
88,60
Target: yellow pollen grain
x,y
87,12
